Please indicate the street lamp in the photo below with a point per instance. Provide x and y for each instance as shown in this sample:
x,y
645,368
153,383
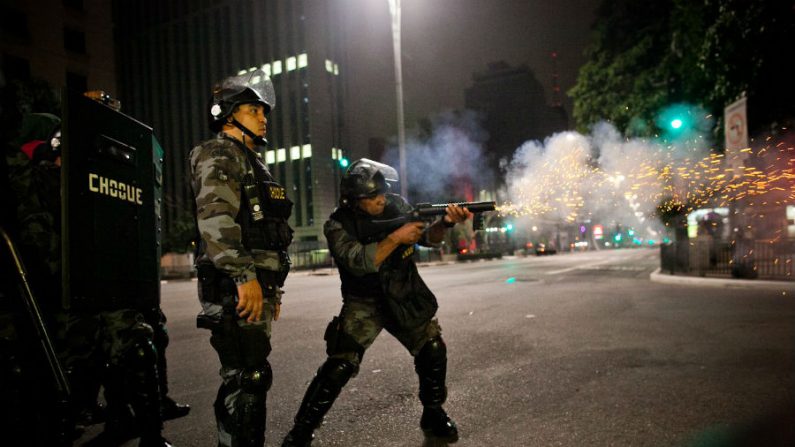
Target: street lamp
x,y
394,11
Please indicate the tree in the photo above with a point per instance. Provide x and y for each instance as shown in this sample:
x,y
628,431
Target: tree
x,y
647,55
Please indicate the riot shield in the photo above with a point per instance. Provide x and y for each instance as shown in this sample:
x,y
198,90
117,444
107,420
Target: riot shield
x,y
111,209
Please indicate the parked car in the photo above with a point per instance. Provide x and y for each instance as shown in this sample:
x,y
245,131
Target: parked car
x,y
543,249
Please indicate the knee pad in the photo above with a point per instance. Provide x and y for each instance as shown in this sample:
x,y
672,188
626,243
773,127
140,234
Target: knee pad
x,y
256,380
433,352
337,371
141,354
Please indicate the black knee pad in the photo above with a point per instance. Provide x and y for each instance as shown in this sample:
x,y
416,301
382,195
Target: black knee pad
x,y
337,371
256,380
433,352
141,354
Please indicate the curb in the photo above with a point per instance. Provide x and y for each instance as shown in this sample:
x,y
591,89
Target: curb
x,y
657,276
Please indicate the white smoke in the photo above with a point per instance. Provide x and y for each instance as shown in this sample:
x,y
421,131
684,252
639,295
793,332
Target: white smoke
x,y
444,159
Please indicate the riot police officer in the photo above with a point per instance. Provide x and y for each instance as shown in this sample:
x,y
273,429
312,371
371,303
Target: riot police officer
x,y
242,261
381,289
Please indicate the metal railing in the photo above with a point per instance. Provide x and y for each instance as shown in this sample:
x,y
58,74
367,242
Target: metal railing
x,y
749,259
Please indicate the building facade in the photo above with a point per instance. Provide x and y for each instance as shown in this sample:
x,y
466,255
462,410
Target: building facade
x,y
171,53
68,43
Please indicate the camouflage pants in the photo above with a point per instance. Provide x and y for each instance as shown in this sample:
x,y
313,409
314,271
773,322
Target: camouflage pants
x,y
362,320
250,338
103,348
102,336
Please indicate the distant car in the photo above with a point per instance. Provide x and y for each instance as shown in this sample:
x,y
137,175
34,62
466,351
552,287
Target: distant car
x,y
542,249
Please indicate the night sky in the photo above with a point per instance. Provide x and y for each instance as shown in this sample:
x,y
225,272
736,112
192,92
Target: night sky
x,y
445,42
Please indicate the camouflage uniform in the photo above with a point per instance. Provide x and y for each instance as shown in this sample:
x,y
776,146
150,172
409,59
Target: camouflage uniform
x,y
366,290
230,254
363,317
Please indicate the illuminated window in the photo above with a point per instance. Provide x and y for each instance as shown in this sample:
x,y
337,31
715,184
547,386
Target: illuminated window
x,y
242,72
302,60
333,153
295,153
267,69
336,69
329,66
281,155
339,154
270,157
255,80
277,67
306,151
291,63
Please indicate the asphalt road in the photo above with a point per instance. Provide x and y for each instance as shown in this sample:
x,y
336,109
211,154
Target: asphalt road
x,y
565,350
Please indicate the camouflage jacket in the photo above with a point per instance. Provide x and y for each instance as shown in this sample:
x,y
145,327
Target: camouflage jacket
x,y
217,170
37,192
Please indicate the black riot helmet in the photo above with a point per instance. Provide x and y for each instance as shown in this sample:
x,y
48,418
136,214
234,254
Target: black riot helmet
x,y
248,88
365,178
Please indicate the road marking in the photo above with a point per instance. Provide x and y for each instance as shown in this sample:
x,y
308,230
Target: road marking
x,y
555,272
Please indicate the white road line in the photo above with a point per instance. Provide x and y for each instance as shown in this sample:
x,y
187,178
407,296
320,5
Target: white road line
x,y
555,272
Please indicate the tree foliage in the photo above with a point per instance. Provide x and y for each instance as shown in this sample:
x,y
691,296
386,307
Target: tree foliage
x,y
646,55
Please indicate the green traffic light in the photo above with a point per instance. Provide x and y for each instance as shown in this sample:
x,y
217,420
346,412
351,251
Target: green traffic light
x,y
344,162
676,123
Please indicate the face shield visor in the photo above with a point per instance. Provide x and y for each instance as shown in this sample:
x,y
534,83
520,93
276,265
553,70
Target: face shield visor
x,y
260,84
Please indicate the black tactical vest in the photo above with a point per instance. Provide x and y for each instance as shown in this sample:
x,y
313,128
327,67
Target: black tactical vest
x,y
371,284
264,209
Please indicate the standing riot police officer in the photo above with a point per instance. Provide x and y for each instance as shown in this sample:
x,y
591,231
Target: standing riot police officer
x,y
242,261
381,288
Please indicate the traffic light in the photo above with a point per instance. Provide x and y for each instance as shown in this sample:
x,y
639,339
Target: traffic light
x,y
344,162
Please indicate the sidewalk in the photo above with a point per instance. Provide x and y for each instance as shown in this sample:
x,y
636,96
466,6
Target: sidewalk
x,y
658,276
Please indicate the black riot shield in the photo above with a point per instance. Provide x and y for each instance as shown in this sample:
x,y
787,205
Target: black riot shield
x,y
111,184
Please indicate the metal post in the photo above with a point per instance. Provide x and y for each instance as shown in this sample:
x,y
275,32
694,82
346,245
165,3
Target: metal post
x,y
394,10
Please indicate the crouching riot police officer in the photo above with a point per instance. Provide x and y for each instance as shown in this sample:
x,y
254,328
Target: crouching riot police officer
x,y
381,288
242,262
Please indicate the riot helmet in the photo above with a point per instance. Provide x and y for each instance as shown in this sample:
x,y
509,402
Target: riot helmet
x,y
365,179
249,88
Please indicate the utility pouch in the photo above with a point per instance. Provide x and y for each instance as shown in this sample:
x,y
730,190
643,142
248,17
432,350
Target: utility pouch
x,y
331,336
207,322
340,342
208,277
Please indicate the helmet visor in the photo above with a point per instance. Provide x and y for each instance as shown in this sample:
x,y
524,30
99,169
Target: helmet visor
x,y
256,80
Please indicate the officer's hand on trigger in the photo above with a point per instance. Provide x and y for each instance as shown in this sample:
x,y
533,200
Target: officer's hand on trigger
x,y
249,304
409,233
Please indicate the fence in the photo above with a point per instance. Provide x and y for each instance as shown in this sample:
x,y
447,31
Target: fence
x,y
315,254
763,259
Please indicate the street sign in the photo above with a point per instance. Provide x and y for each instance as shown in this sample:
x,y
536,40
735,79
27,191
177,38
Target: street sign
x,y
735,130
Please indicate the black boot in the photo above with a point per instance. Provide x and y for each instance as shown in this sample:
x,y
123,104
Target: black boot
x,y
144,394
431,366
319,398
169,409
436,423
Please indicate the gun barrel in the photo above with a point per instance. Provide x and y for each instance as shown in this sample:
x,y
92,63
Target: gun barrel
x,y
438,209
